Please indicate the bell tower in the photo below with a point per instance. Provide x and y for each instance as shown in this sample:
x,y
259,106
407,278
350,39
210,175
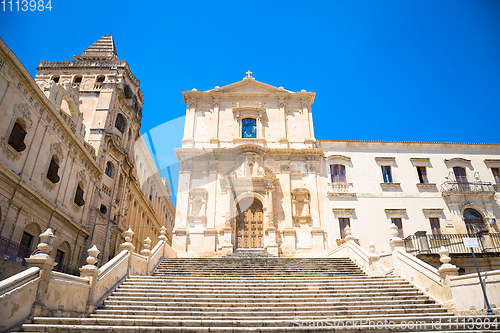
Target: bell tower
x,y
110,110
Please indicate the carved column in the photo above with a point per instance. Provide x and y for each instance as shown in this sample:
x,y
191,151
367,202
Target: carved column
x,y
270,241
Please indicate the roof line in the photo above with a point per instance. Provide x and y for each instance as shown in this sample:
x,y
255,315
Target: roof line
x,y
420,142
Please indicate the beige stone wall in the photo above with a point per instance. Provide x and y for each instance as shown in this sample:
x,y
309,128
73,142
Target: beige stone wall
x,y
370,203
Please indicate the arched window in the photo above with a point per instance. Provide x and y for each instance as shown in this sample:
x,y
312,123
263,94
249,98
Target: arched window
x,y
128,92
473,221
53,169
77,80
100,79
17,135
249,128
337,172
120,122
55,78
79,195
109,170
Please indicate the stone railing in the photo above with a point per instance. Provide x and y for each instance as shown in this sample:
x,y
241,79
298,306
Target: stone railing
x,y
460,294
41,291
340,189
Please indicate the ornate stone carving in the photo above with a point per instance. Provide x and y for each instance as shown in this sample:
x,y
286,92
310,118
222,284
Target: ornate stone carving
x,y
56,149
313,168
9,150
47,183
22,111
212,166
186,166
285,168
81,177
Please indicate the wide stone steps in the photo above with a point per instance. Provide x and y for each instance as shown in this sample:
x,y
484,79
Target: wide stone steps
x,y
252,292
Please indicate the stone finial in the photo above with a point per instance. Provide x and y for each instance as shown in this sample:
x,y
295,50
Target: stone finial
x,y
147,243
444,253
128,235
93,253
162,236
348,235
46,242
372,248
128,241
394,231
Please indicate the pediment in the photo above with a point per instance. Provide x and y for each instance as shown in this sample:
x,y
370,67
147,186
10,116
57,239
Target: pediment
x,y
250,86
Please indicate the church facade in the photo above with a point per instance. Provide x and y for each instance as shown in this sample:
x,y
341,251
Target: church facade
x,y
253,176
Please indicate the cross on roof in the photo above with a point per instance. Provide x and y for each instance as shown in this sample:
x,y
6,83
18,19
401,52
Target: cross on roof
x,y
249,74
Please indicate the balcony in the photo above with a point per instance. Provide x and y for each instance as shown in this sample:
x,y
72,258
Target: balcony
x,y
421,243
13,252
340,190
450,188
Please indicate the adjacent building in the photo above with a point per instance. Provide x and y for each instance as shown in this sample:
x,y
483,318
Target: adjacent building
x,y
72,158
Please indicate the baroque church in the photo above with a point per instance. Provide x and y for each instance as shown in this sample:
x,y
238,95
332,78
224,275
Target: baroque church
x,y
253,176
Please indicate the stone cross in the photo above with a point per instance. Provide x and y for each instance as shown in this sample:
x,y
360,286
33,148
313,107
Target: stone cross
x,y
249,74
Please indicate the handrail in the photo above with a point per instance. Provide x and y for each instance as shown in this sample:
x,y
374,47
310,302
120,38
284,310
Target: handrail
x,y
19,279
112,263
54,275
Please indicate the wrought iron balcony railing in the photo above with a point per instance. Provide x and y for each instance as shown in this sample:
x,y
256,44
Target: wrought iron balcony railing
x,y
465,188
421,243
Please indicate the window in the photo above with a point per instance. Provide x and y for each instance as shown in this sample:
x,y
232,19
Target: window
x,y
103,209
128,92
16,138
343,223
109,170
386,172
53,169
460,174
399,224
59,257
474,221
435,227
496,174
100,79
120,122
338,173
79,195
422,175
249,128
55,78
27,240
77,80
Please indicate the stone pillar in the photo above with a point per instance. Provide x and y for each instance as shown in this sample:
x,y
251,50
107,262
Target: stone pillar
x,y
179,242
446,271
91,272
396,243
423,243
374,261
270,241
486,241
45,263
227,246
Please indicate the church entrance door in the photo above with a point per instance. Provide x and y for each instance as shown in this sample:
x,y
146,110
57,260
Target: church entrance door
x,y
249,225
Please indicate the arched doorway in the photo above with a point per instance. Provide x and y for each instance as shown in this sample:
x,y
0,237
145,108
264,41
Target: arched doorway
x,y
473,221
249,224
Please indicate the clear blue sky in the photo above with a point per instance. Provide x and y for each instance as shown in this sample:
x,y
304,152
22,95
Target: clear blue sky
x,y
382,70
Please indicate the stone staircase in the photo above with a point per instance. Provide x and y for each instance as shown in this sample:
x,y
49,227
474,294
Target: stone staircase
x,y
250,293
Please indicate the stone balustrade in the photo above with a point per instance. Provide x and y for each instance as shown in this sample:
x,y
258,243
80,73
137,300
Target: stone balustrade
x,y
41,291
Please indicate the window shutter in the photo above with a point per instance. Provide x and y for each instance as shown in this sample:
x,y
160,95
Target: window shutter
x,y
16,139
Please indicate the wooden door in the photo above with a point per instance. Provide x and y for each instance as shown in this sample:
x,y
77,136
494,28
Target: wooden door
x,y
249,227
